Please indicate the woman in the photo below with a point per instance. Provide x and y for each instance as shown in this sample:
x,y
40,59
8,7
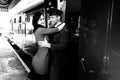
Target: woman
x,y
40,60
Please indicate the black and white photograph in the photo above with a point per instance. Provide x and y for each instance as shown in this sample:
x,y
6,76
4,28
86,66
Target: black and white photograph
x,y
59,40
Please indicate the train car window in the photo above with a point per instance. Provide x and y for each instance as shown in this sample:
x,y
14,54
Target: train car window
x,y
27,18
20,19
14,20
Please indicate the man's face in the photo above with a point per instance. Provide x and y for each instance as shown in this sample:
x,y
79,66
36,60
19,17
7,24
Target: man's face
x,y
53,19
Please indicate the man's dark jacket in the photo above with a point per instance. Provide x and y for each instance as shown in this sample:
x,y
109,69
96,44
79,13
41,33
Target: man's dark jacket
x,y
59,44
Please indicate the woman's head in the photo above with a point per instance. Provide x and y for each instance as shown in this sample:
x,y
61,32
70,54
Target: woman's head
x,y
41,20
35,20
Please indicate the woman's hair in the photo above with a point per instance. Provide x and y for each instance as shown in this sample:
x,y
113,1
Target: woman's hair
x,y
36,17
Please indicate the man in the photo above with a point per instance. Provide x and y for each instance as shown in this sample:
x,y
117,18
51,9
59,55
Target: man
x,y
57,44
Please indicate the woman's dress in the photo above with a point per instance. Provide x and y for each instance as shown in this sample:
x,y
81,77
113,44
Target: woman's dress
x,y
41,58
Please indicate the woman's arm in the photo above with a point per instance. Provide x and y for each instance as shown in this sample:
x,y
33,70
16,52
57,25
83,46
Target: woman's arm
x,y
51,30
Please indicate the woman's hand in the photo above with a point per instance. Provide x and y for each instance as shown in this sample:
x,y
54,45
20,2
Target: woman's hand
x,y
61,26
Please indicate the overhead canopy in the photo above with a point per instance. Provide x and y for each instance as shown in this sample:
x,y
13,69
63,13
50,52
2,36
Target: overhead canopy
x,y
25,5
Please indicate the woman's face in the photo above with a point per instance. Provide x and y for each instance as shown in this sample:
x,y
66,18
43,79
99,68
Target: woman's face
x,y
41,20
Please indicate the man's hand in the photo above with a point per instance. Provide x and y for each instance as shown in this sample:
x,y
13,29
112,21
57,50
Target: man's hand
x,y
44,43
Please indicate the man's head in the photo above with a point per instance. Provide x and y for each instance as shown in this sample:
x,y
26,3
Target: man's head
x,y
54,15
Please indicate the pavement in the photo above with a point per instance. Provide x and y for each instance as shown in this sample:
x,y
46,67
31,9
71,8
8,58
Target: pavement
x,y
10,66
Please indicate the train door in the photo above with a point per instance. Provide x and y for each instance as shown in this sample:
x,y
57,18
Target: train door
x,y
96,19
114,52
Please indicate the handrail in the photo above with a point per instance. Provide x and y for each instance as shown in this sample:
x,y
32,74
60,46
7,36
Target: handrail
x,y
23,63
